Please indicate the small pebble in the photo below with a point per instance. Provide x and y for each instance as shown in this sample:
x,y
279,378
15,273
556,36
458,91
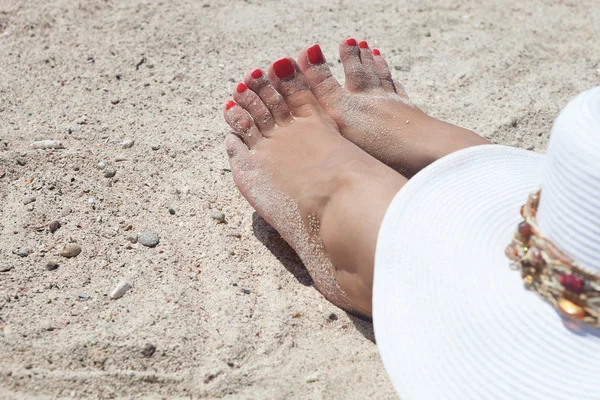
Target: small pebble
x,y
21,162
21,252
70,250
120,290
114,102
245,291
155,147
5,267
54,226
185,190
109,172
148,239
28,200
148,350
127,144
133,238
333,317
83,296
101,165
47,144
51,265
312,378
171,211
218,216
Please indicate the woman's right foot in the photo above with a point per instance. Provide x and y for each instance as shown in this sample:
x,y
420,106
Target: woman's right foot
x,y
374,112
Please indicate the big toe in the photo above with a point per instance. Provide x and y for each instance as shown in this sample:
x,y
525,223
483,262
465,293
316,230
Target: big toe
x,y
289,80
318,75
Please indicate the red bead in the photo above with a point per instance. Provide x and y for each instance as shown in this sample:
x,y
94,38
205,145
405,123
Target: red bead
x,y
525,231
571,283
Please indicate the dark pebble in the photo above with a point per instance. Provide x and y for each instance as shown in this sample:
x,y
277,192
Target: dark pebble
x,y
51,265
171,211
333,317
54,226
245,291
21,252
83,296
148,350
109,172
21,162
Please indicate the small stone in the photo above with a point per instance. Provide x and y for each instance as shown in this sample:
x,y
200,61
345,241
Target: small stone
x,y
148,239
51,265
109,172
148,350
21,252
218,216
5,267
525,231
171,211
127,144
47,144
297,315
155,147
571,283
133,238
28,200
114,102
70,250
21,162
512,252
83,296
312,378
120,290
91,200
332,317
570,309
101,165
245,291
54,226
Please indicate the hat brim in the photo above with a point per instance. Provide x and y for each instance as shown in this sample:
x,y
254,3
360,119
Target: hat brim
x,y
452,319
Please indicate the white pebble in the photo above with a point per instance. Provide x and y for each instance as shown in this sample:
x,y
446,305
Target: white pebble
x,y
47,144
120,290
127,144
101,165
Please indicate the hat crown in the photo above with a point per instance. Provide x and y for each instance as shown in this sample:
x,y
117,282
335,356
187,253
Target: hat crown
x,y
569,210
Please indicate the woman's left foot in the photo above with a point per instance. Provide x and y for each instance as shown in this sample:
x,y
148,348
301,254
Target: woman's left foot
x,y
325,196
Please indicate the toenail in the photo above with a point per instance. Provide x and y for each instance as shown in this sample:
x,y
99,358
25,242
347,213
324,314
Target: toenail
x,y
229,104
283,68
256,74
363,45
375,52
315,55
351,42
241,88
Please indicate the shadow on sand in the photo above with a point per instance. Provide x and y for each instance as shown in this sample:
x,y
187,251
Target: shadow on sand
x,y
268,236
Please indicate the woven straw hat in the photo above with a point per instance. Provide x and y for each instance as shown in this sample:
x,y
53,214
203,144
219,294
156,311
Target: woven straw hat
x,y
453,317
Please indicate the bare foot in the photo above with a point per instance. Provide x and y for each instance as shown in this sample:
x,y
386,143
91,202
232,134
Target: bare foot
x,y
325,196
374,112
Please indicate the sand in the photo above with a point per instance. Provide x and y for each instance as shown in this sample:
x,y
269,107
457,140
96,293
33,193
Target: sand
x,y
227,307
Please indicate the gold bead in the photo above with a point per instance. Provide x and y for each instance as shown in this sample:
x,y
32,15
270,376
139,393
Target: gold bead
x,y
528,280
570,309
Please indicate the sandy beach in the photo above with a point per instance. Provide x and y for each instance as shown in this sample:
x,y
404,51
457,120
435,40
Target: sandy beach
x,y
134,90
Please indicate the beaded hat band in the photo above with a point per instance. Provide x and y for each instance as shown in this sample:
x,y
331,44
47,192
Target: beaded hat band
x,y
550,273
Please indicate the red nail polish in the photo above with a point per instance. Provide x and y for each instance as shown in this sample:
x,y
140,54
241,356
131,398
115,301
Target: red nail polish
x,y
229,104
363,45
241,88
375,52
315,55
283,68
351,42
256,74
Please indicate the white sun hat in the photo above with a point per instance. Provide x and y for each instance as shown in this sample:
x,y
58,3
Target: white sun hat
x,y
454,317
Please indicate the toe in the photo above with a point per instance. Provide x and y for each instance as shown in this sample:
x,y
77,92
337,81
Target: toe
x,y
316,71
259,112
356,76
235,147
366,58
289,80
242,124
383,71
271,98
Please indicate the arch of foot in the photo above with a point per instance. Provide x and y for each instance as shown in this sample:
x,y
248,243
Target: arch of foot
x,y
569,210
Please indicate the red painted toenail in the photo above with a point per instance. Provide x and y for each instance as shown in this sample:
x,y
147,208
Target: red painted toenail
x,y
283,68
256,74
241,88
229,104
351,42
375,52
363,45
315,55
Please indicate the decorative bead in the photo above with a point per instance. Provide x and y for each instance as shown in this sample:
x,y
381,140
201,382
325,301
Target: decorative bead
x,y
512,252
525,231
535,256
571,283
570,309
528,280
